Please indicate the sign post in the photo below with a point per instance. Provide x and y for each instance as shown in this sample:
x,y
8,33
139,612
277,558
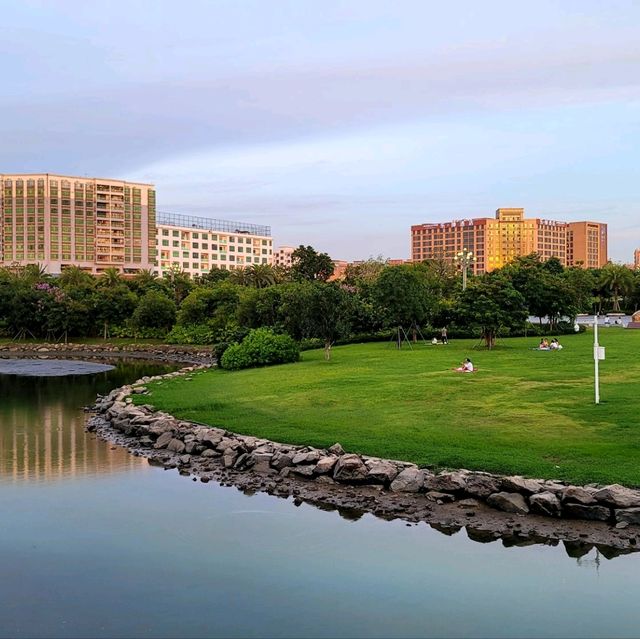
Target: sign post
x,y
598,354
596,359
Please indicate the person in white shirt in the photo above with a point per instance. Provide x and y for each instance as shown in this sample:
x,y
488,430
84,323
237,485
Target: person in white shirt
x,y
465,367
555,345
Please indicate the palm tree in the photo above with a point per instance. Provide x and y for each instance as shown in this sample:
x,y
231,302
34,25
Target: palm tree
x,y
178,282
241,276
617,279
262,275
110,277
75,277
144,280
33,273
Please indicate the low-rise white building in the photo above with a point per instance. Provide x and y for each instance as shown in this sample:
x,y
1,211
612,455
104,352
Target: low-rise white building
x,y
197,244
283,256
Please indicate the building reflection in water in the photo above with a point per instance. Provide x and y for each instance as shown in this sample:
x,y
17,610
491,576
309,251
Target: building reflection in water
x,y
42,436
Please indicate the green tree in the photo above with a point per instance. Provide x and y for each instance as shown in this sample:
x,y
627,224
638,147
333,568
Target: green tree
x,y
311,266
178,283
111,276
582,282
261,307
618,281
154,310
317,310
212,305
262,275
75,277
489,304
402,295
214,276
113,306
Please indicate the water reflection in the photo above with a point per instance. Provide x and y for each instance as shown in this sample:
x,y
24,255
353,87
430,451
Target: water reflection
x,y
42,435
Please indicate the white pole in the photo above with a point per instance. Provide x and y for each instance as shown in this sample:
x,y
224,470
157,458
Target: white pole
x,y
595,359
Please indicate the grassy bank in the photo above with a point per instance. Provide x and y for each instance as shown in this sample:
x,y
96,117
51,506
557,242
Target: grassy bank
x,y
525,411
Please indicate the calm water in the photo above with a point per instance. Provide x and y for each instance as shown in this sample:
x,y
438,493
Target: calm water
x,y
96,543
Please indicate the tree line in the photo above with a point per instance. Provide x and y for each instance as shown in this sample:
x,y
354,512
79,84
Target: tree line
x,y
372,300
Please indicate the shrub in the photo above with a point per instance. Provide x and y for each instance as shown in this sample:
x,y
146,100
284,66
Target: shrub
x,y
261,347
191,334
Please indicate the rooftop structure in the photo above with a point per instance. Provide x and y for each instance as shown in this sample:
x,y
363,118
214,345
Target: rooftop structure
x,y
209,224
195,245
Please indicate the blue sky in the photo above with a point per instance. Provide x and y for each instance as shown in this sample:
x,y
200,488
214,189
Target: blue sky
x,y
340,124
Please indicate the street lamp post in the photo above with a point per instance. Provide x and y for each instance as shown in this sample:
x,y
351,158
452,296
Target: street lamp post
x,y
465,258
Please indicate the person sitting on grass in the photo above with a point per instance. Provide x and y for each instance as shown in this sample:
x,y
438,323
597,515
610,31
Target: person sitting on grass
x,y
555,345
465,367
544,344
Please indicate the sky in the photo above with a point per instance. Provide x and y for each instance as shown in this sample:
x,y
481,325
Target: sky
x,y
339,124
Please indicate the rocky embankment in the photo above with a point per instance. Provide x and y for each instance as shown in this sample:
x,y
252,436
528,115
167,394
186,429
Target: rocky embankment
x,y
488,505
159,352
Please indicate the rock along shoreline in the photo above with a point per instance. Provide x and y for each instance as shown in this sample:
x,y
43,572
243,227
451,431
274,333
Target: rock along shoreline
x,y
518,510
156,352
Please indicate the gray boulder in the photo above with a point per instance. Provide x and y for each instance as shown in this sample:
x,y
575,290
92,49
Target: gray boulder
x,y
618,496
303,470
306,457
410,480
440,498
509,503
628,515
325,465
229,458
161,426
226,443
546,503
517,484
336,449
579,511
281,460
578,495
350,468
164,439
482,484
210,438
448,482
176,445
381,472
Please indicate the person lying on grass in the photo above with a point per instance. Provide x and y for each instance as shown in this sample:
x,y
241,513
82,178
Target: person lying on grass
x,y
465,367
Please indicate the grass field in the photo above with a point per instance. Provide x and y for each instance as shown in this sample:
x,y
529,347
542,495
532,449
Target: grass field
x,y
524,411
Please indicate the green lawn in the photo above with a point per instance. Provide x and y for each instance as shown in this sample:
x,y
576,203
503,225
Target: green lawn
x,y
524,411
